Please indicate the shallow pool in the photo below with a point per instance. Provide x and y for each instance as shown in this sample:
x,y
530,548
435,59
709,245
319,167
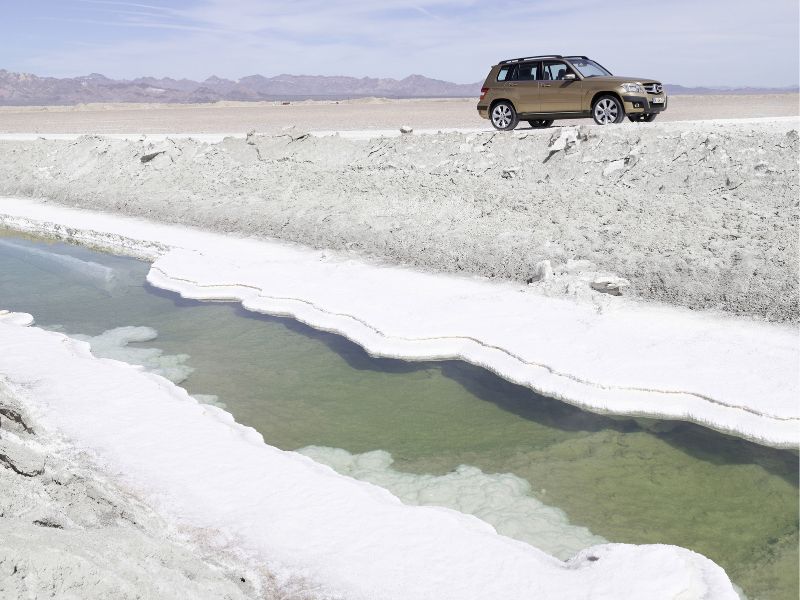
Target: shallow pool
x,y
434,432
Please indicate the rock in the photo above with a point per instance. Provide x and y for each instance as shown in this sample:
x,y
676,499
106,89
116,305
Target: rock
x,y
610,284
148,157
567,140
543,271
250,139
20,459
509,173
406,129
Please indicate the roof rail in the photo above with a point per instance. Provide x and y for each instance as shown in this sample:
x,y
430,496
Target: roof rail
x,y
578,56
513,60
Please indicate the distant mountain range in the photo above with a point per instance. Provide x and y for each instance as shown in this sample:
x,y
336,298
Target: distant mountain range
x,y
24,89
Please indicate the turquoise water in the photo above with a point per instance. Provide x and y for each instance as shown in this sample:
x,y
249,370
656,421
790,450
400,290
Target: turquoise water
x,y
731,500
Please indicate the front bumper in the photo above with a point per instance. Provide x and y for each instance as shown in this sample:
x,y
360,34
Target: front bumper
x,y
642,104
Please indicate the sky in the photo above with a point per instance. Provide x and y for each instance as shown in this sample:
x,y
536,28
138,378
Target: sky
x,y
687,42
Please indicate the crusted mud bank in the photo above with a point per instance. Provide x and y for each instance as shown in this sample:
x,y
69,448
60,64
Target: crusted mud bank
x,y
703,214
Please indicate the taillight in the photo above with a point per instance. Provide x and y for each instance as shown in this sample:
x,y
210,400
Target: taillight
x,y
483,92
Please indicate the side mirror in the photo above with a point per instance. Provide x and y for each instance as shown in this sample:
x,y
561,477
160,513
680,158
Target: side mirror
x,y
570,77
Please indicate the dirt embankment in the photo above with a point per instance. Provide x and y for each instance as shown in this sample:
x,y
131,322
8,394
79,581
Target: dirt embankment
x,y
703,215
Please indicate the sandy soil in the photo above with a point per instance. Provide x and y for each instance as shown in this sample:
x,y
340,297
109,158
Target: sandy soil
x,y
265,117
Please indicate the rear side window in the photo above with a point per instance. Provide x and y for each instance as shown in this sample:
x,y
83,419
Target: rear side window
x,y
507,73
527,71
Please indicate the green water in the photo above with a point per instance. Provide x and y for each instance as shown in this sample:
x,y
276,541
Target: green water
x,y
731,500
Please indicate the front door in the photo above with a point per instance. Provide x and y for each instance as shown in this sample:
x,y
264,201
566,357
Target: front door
x,y
557,95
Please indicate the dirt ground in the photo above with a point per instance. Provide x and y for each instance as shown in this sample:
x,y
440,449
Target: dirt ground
x,y
270,117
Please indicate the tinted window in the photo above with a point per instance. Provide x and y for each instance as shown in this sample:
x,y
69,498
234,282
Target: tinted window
x,y
527,71
506,73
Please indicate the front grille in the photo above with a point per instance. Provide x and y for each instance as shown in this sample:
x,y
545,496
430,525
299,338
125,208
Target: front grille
x,y
654,88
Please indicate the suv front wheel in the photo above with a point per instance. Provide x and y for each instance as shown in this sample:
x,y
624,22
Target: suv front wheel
x,y
607,110
503,116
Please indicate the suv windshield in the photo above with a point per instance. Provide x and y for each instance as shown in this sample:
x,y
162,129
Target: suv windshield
x,y
589,68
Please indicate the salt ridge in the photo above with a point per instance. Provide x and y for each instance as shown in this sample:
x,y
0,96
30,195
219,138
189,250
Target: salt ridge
x,y
199,467
621,357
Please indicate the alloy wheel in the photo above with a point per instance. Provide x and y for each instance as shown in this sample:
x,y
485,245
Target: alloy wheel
x,y
502,116
606,111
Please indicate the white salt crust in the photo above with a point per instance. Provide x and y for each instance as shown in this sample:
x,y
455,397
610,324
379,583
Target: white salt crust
x,y
612,355
352,539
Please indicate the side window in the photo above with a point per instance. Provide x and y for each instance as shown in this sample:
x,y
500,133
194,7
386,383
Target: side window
x,y
554,71
507,73
527,71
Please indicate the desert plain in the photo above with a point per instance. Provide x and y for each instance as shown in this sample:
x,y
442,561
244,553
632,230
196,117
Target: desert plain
x,y
367,113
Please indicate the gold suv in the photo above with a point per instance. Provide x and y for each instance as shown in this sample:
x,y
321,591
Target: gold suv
x,y
539,89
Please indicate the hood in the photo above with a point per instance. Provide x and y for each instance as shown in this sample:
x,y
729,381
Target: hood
x,y
622,79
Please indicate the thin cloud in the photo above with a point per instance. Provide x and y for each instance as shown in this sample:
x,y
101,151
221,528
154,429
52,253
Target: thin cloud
x,y
455,40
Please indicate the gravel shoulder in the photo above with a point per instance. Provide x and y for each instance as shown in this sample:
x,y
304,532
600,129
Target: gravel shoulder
x,y
703,215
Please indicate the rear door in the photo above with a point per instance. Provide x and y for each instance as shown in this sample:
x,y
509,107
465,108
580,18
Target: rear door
x,y
518,83
557,95
528,87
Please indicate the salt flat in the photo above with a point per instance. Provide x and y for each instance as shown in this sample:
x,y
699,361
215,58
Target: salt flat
x,y
695,222
270,117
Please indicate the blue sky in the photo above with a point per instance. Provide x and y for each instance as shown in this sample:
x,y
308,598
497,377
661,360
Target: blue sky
x,y
689,42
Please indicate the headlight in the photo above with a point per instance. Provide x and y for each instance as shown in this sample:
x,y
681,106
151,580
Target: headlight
x,y
634,88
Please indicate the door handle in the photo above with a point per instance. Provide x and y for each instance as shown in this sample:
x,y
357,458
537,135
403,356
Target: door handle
x,y
511,85
547,85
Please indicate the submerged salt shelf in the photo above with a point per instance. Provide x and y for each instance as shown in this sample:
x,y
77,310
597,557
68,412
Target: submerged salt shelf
x,y
299,387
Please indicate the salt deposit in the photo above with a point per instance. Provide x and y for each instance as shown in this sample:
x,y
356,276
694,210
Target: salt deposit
x,y
67,531
502,500
300,516
607,354
114,344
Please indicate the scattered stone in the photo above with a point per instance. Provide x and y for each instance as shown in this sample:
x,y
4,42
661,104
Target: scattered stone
x,y
610,284
46,522
20,459
148,157
250,139
543,271
509,173
406,129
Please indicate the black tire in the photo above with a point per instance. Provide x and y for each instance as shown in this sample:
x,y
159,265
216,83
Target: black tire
x,y
643,118
608,109
503,116
540,123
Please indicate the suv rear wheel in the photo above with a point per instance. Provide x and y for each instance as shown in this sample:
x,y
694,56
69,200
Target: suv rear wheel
x,y
540,123
608,109
503,116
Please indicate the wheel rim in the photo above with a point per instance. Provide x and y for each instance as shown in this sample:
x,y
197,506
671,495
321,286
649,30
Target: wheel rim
x,y
501,116
606,111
